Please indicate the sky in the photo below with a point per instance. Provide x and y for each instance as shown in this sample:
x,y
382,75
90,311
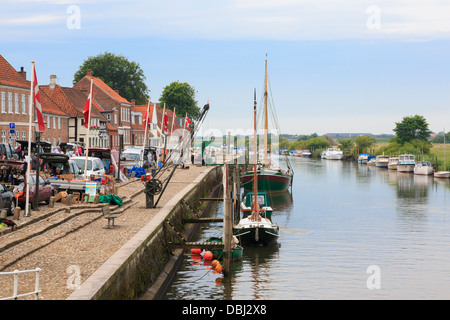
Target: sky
x,y
352,66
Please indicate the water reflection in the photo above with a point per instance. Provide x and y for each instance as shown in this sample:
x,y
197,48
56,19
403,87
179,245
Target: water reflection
x,y
341,218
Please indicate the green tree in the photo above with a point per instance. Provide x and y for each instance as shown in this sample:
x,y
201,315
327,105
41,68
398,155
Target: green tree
x,y
346,146
412,127
182,97
364,143
117,72
317,143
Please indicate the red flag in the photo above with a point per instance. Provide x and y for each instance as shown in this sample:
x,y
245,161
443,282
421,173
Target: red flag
x,y
145,120
165,122
37,103
174,120
187,122
87,108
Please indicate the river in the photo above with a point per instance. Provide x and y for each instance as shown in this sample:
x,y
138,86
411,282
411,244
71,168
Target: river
x,y
347,231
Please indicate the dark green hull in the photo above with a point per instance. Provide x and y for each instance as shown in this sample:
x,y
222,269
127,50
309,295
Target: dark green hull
x,y
267,181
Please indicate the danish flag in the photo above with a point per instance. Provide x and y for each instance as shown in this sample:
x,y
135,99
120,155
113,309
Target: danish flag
x,y
37,103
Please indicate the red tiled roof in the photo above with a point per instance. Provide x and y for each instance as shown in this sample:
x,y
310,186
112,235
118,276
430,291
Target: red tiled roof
x,y
10,77
48,105
60,98
108,90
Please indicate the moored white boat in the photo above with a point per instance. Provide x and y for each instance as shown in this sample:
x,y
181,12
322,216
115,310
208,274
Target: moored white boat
x,y
334,154
442,174
423,167
392,164
363,158
371,161
382,161
406,163
306,153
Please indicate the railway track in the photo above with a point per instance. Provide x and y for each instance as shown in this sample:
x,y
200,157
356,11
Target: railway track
x,y
55,225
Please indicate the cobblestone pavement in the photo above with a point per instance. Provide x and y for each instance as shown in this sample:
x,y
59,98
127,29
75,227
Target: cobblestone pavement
x,y
66,244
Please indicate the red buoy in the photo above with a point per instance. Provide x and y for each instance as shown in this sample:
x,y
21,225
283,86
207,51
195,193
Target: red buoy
x,y
208,255
196,251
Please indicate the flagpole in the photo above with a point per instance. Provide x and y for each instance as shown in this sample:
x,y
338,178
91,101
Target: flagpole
x,y
145,132
88,129
163,133
30,118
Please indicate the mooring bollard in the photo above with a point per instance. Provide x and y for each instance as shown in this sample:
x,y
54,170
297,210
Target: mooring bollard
x,y
69,199
51,203
16,213
3,214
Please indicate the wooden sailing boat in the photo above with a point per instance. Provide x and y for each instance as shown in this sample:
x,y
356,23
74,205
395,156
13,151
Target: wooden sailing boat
x,y
256,228
270,177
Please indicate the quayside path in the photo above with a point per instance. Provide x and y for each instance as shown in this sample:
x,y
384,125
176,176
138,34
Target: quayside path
x,y
66,244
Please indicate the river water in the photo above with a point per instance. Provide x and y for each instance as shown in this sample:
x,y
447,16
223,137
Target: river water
x,y
347,231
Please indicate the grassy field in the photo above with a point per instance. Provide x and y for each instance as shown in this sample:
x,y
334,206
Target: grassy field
x,y
438,152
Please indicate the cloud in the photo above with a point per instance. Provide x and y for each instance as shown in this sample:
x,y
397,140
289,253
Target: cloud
x,y
290,20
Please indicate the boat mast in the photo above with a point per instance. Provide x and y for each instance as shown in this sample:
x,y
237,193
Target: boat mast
x,y
265,116
255,176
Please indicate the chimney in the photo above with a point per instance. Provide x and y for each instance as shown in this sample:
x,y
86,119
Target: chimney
x,y
133,102
89,72
117,91
52,82
23,74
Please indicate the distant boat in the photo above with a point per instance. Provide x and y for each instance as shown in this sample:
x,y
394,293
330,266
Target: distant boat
x,y
298,152
371,161
306,153
323,154
392,164
382,161
363,158
406,163
334,154
423,167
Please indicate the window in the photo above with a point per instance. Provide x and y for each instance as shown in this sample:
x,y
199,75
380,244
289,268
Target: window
x,y
10,110
24,135
3,102
54,122
59,122
115,118
3,136
108,117
16,103
48,122
24,104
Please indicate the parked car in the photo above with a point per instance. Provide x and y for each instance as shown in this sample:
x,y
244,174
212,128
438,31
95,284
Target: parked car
x,y
66,167
108,157
7,201
45,190
94,165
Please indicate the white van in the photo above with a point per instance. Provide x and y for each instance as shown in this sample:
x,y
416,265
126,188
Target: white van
x,y
94,165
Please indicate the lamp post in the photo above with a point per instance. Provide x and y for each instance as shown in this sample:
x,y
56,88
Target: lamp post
x,y
36,189
120,131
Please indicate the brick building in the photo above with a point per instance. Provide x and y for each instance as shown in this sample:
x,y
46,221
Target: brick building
x,y
116,109
14,108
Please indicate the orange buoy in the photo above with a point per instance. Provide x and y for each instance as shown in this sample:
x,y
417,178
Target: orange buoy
x,y
196,251
208,255
218,268
214,263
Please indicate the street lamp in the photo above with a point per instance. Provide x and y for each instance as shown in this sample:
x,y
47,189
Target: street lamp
x,y
120,131
38,145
